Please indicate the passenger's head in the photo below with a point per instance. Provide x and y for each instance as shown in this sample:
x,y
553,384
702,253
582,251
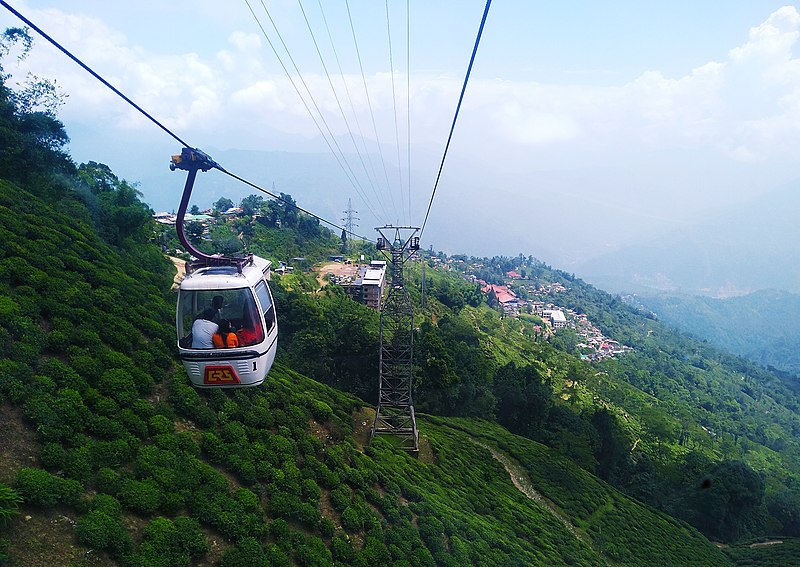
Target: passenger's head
x,y
224,326
208,315
217,302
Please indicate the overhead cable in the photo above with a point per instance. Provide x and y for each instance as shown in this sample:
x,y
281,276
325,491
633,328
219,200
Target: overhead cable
x,y
339,104
408,100
349,96
89,70
458,108
394,106
332,142
159,124
369,102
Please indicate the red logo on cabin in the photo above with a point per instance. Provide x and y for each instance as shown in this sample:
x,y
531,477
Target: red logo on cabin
x,y
220,376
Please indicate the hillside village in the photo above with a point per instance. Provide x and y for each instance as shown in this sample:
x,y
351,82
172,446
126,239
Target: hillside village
x,y
521,297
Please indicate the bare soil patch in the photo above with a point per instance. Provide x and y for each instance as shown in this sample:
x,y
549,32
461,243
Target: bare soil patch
x,y
43,538
763,543
362,426
426,453
523,483
180,265
18,445
337,269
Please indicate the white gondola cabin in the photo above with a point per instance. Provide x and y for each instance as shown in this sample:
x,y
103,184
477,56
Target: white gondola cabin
x,y
235,304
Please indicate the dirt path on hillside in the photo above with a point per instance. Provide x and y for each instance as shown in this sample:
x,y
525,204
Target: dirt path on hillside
x,y
523,483
180,265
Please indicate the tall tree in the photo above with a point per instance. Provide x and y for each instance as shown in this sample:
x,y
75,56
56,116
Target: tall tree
x,y
251,205
222,204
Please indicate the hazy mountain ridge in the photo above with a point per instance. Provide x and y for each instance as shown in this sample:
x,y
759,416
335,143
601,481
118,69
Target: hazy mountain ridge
x,y
730,252
761,326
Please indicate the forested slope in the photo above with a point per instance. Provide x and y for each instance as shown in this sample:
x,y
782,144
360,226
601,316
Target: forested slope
x,y
760,326
148,471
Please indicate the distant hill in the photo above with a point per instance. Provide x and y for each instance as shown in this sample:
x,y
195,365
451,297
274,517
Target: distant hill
x,y
763,326
729,252
314,178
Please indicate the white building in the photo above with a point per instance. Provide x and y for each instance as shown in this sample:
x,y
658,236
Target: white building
x,y
557,318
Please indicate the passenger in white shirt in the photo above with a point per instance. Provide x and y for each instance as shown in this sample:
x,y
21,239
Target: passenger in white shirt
x,y
203,330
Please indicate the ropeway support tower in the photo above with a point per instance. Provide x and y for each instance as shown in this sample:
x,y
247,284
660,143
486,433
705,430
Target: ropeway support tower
x,y
395,414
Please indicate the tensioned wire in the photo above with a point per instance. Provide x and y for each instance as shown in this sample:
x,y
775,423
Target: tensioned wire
x,y
119,93
455,117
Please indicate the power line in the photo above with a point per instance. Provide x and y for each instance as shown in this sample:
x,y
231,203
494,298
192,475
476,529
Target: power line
x,y
349,97
394,105
301,209
369,102
354,179
156,122
408,98
458,108
339,104
89,70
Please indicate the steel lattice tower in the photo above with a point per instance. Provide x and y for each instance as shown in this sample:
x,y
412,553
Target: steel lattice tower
x,y
395,414
349,224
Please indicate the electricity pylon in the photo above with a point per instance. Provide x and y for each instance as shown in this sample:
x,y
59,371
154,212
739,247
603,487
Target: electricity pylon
x,y
395,414
349,224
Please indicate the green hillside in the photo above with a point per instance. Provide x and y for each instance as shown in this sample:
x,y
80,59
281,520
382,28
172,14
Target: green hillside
x,y
111,450
698,433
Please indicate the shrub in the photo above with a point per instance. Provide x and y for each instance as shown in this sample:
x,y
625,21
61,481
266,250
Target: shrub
x,y
342,549
247,499
160,424
159,547
190,537
107,428
213,447
140,495
38,487
133,423
53,455
351,519
321,411
172,502
307,514
118,384
247,553
233,433
109,453
70,492
108,480
107,504
340,497
78,464
63,374
312,552
102,531
309,490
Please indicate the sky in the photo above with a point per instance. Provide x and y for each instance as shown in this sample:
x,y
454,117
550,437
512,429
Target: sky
x,y
585,127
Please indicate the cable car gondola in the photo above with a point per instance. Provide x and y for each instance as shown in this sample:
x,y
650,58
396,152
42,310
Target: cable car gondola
x,y
222,295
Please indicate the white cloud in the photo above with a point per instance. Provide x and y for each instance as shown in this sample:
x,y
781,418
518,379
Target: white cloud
x,y
771,40
743,111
